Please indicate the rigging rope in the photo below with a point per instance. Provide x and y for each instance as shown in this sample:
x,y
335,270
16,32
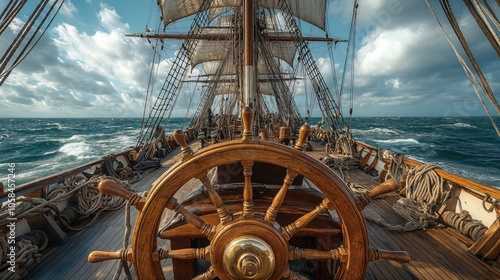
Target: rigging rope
x,y
472,78
123,264
480,18
349,60
20,37
397,167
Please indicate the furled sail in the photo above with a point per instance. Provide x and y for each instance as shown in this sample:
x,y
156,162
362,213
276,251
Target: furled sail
x,y
217,50
173,10
211,67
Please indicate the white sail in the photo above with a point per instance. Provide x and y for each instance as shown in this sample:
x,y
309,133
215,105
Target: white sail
x,y
313,13
206,51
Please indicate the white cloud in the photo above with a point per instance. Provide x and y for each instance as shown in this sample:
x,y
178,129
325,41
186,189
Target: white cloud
x,y
86,66
77,74
110,19
68,9
394,83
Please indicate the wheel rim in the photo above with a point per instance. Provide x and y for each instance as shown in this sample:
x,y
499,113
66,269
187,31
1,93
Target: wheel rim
x,y
355,237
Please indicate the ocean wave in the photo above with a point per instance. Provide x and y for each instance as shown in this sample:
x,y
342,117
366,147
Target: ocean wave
x,y
50,153
399,141
80,150
58,126
462,125
379,131
74,138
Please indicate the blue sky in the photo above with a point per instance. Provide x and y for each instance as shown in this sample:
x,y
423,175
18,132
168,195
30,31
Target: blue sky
x,y
85,66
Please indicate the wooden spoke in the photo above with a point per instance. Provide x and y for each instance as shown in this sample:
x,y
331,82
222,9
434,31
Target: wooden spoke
x,y
206,229
295,253
247,190
101,256
208,275
398,256
110,187
292,275
187,153
160,254
290,230
215,197
383,188
185,254
280,196
340,254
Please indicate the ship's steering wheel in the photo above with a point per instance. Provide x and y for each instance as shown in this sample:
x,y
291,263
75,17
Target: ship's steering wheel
x,y
246,245
226,238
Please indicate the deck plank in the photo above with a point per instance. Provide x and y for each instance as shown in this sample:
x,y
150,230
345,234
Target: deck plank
x,y
433,255
69,259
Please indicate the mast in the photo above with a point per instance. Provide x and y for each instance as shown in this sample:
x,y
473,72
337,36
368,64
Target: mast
x,y
248,62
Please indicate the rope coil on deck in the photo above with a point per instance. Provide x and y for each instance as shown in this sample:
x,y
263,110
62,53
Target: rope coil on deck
x,y
425,192
465,224
28,248
91,202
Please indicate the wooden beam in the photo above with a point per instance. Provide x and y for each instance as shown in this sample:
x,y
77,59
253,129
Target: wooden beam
x,y
227,37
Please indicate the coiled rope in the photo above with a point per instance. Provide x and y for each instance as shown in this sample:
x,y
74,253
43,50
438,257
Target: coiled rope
x,y
28,248
426,192
465,224
91,202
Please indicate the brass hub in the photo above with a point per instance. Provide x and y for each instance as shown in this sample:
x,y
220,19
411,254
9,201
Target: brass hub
x,y
249,257
249,249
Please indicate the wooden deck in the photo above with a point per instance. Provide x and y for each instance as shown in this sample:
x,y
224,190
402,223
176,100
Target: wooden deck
x,y
432,255
69,259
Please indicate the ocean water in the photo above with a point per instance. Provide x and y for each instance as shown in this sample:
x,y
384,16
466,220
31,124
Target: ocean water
x,y
466,146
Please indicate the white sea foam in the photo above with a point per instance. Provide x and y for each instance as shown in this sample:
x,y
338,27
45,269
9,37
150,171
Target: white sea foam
x,y
73,139
59,125
379,131
463,125
77,137
399,141
50,153
80,150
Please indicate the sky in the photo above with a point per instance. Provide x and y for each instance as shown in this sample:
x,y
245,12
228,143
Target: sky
x,y
85,66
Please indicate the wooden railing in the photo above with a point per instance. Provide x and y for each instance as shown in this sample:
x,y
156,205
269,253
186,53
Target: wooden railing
x,y
464,182
42,184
